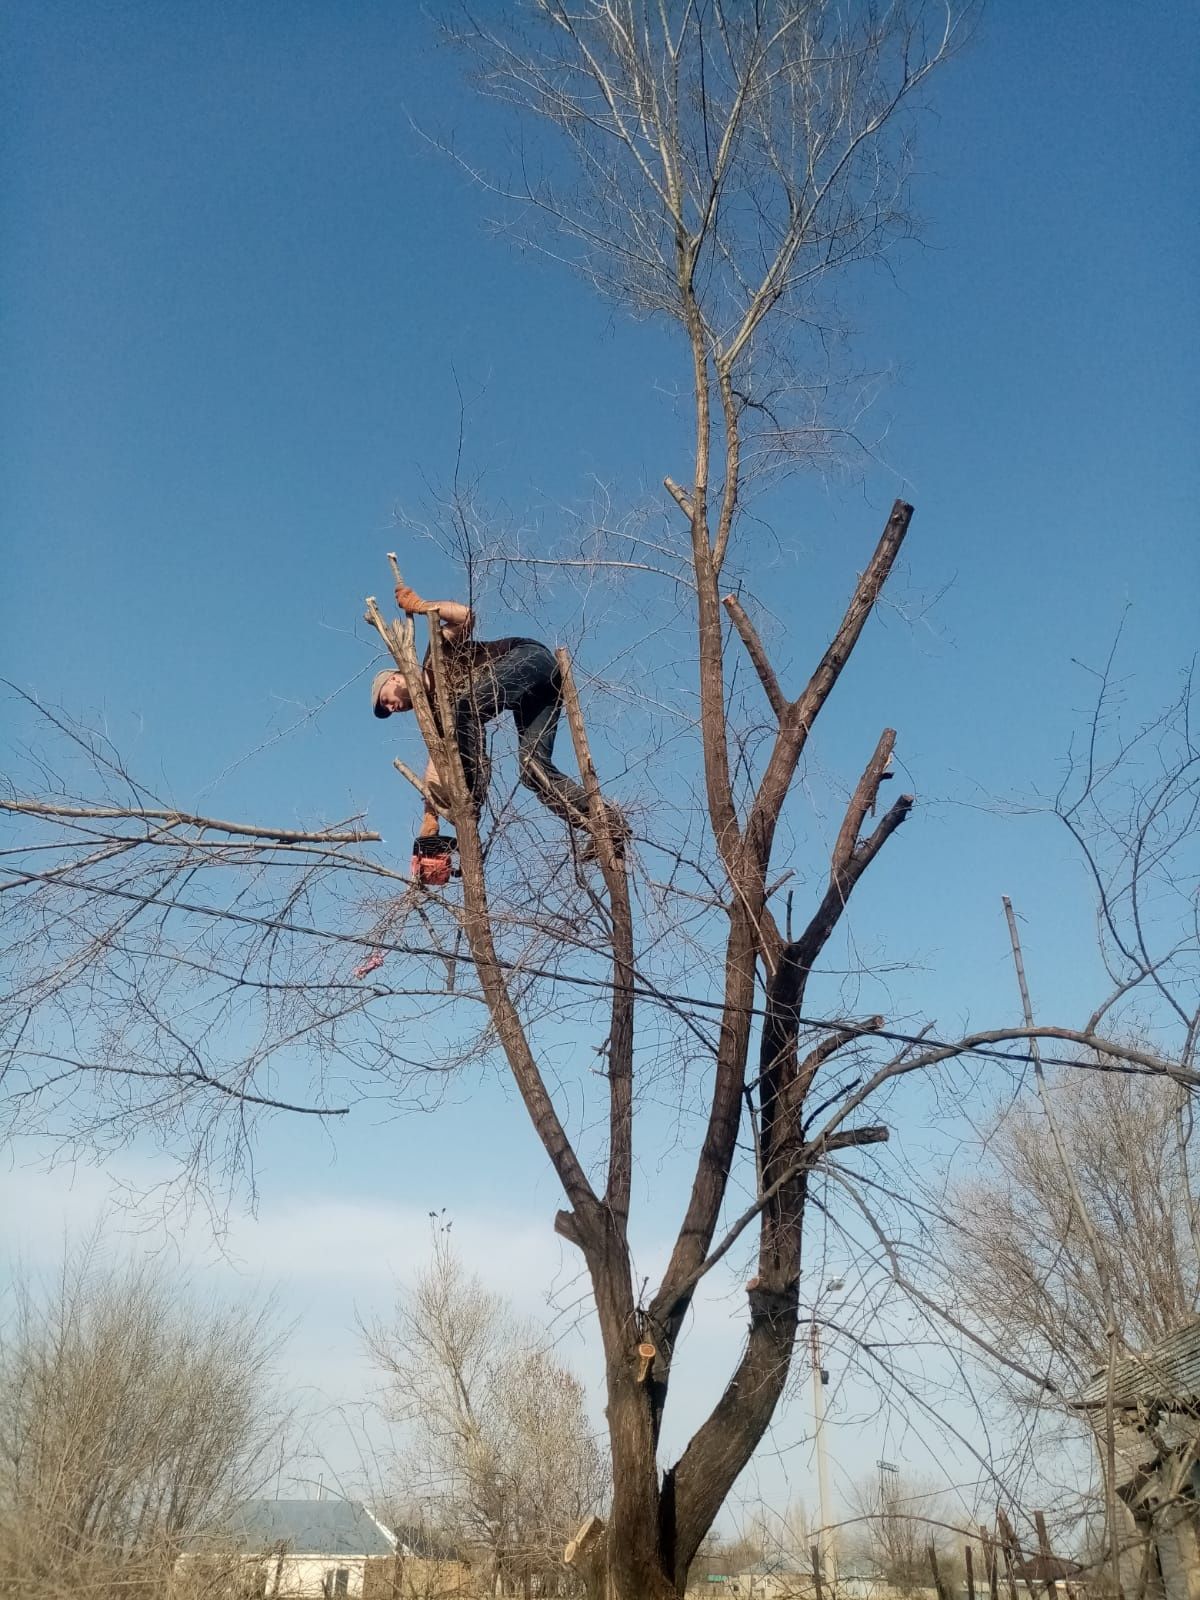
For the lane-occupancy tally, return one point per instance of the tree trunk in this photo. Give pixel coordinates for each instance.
(634, 1558)
(654, 1530)
(701, 1480)
(637, 1565)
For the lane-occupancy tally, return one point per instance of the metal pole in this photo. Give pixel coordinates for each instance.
(826, 1537)
(1110, 1312)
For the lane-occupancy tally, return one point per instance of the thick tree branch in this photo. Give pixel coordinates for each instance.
(811, 1153)
(1112, 1056)
(781, 1097)
(621, 1016)
(831, 1045)
(188, 819)
(725, 1110)
(680, 497)
(191, 1075)
(802, 713)
(698, 1485)
(782, 1083)
(758, 656)
(800, 956)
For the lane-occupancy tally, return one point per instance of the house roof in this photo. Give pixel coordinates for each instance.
(417, 1539)
(1048, 1569)
(305, 1527)
(1166, 1374)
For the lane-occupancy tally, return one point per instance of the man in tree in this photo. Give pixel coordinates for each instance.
(484, 678)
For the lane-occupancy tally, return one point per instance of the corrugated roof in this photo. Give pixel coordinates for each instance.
(305, 1527)
(1167, 1374)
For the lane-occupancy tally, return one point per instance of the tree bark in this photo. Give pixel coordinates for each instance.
(699, 1483)
(635, 1565)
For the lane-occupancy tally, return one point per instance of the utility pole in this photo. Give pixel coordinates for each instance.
(826, 1533)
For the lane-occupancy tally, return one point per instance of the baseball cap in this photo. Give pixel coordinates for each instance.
(377, 683)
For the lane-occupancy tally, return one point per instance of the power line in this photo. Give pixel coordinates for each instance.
(642, 990)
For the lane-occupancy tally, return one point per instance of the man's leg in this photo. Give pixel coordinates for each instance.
(482, 701)
(537, 717)
(501, 685)
(537, 726)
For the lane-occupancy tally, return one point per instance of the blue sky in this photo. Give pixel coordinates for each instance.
(238, 294)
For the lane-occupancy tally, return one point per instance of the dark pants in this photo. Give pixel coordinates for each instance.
(526, 681)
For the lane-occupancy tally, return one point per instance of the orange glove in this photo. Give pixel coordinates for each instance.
(409, 600)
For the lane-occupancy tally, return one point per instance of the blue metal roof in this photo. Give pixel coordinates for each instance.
(305, 1527)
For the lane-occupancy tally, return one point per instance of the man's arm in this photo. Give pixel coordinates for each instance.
(429, 822)
(457, 619)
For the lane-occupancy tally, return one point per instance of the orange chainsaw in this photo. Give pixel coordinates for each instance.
(432, 860)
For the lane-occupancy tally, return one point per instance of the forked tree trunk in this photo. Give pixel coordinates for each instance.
(655, 1528)
(632, 1559)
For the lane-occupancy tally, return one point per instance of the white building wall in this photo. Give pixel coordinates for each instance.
(304, 1576)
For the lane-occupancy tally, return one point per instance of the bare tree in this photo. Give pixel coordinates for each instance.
(1020, 1249)
(769, 1550)
(896, 1518)
(130, 1418)
(723, 1558)
(1075, 1239)
(721, 166)
(501, 1455)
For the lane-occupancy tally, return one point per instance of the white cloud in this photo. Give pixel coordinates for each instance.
(345, 1244)
(329, 1256)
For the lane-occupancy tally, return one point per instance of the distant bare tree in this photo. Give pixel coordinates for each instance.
(502, 1458)
(770, 1548)
(1076, 1239)
(897, 1516)
(131, 1416)
(1022, 1253)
